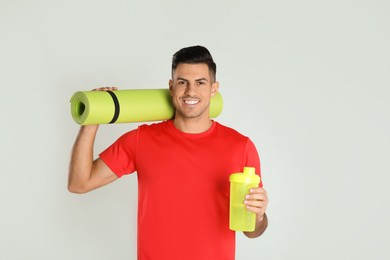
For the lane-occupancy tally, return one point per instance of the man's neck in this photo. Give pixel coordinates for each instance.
(192, 125)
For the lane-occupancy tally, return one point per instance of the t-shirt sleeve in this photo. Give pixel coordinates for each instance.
(251, 158)
(120, 157)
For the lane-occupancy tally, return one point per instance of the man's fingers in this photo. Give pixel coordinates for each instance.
(257, 194)
(105, 89)
(256, 201)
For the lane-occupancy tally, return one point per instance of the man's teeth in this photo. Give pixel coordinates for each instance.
(191, 102)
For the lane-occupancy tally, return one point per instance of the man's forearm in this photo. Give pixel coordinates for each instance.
(81, 162)
(261, 226)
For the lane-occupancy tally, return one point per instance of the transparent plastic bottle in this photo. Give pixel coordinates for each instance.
(240, 219)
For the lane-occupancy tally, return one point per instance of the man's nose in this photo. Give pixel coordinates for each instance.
(190, 89)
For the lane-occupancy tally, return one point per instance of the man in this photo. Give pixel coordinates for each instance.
(183, 168)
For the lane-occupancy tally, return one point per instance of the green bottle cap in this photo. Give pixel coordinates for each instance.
(247, 176)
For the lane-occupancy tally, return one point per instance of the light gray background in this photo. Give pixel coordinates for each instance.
(308, 81)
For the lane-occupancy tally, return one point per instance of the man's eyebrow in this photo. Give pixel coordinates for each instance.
(201, 79)
(180, 78)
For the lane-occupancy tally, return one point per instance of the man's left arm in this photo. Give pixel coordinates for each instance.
(256, 201)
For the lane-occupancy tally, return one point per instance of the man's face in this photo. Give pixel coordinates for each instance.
(191, 88)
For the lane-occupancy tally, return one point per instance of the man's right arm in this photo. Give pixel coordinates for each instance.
(85, 173)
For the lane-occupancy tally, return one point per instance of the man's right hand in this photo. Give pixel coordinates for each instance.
(105, 89)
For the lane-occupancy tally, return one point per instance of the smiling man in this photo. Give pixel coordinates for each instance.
(183, 168)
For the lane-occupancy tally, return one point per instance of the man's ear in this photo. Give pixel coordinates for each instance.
(170, 83)
(214, 88)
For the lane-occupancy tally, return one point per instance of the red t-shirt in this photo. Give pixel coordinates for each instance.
(183, 188)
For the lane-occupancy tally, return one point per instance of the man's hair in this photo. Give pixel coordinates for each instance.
(194, 55)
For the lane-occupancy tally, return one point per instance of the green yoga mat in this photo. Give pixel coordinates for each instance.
(127, 106)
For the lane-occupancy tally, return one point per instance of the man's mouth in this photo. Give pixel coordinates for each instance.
(191, 101)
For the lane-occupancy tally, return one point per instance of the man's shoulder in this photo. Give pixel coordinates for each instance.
(153, 128)
(229, 131)
(146, 129)
(156, 125)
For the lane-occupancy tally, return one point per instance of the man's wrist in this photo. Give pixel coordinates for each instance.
(261, 220)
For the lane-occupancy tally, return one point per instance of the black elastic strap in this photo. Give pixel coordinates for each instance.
(117, 107)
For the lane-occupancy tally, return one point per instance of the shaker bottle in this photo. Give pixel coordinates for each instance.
(240, 218)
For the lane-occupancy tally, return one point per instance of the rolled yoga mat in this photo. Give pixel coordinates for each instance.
(127, 106)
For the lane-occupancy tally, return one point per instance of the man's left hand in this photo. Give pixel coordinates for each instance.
(256, 201)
